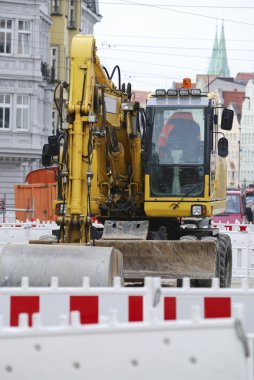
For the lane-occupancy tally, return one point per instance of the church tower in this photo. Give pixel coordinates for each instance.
(218, 64)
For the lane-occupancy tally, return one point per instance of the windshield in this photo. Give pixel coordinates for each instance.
(177, 165)
(178, 135)
(233, 204)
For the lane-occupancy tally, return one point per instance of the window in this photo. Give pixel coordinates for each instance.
(54, 121)
(177, 151)
(5, 105)
(24, 38)
(55, 6)
(54, 62)
(22, 112)
(71, 14)
(5, 36)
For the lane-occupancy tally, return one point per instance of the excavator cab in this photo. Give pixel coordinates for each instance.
(183, 149)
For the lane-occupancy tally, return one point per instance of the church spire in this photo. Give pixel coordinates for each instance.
(223, 69)
(218, 64)
(212, 63)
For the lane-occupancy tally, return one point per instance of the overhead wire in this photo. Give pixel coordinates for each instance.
(150, 36)
(171, 5)
(177, 47)
(172, 54)
(184, 12)
(154, 63)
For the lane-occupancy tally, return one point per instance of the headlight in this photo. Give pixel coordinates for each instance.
(127, 106)
(160, 92)
(195, 92)
(172, 92)
(198, 210)
(184, 92)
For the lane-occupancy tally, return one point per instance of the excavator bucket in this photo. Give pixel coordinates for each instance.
(165, 258)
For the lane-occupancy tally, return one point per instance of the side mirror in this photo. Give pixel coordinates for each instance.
(53, 145)
(223, 147)
(46, 157)
(227, 119)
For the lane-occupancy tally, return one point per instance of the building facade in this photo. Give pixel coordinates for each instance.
(69, 17)
(247, 137)
(25, 94)
(233, 136)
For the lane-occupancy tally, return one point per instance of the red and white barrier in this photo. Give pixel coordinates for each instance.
(242, 238)
(53, 302)
(130, 304)
(22, 232)
(236, 227)
(195, 350)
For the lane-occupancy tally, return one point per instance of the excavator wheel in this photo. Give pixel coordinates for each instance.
(224, 260)
(224, 263)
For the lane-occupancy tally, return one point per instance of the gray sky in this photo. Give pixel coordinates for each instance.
(157, 42)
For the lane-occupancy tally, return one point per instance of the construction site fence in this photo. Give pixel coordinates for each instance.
(131, 304)
(119, 332)
(242, 238)
(22, 232)
(195, 349)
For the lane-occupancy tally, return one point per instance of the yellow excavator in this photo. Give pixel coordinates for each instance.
(152, 177)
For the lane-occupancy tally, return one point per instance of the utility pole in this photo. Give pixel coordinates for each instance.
(239, 159)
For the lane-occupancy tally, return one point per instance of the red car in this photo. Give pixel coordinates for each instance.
(235, 210)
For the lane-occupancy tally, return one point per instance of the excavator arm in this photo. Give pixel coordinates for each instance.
(103, 143)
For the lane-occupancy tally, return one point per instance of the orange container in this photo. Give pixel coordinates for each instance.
(37, 195)
(47, 175)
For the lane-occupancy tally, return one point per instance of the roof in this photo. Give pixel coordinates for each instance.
(244, 77)
(225, 84)
(179, 102)
(233, 96)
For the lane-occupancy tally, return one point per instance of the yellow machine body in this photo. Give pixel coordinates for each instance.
(107, 170)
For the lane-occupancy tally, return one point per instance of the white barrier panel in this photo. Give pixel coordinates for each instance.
(236, 227)
(130, 304)
(22, 232)
(193, 350)
(242, 238)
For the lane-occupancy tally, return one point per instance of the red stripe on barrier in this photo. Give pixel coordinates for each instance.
(169, 308)
(24, 304)
(217, 307)
(88, 306)
(135, 308)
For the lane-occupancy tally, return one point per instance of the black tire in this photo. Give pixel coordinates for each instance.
(224, 265)
(224, 260)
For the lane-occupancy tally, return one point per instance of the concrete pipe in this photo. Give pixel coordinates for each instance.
(70, 263)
